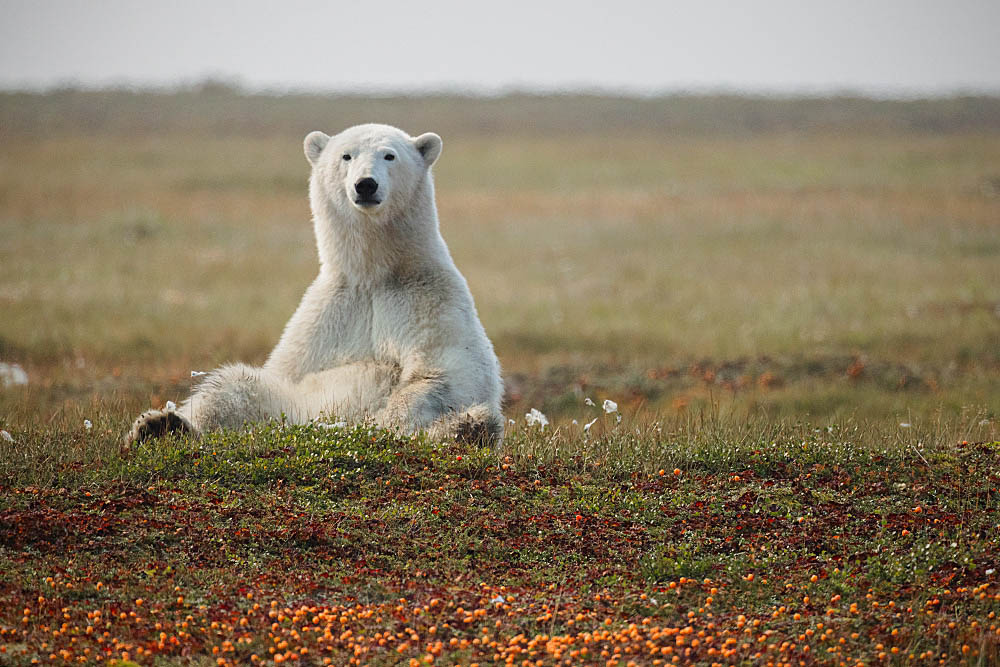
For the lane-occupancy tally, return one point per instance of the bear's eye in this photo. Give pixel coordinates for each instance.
(347, 157)
(390, 157)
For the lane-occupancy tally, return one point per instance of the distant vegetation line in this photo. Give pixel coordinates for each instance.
(226, 111)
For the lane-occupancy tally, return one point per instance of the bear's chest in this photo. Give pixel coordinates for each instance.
(363, 323)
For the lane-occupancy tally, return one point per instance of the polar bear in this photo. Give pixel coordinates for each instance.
(387, 331)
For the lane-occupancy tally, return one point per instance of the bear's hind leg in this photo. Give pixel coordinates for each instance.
(234, 395)
(155, 424)
(228, 398)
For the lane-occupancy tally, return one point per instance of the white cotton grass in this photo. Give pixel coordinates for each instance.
(170, 407)
(535, 417)
(609, 407)
(6, 436)
(87, 424)
(12, 375)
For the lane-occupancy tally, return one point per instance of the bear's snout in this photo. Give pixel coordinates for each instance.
(366, 189)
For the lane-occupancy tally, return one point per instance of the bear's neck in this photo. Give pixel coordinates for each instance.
(361, 251)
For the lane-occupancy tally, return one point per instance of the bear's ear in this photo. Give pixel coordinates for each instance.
(429, 146)
(314, 144)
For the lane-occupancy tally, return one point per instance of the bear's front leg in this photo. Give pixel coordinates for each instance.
(415, 405)
(425, 405)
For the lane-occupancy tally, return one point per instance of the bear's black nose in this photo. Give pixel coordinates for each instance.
(366, 187)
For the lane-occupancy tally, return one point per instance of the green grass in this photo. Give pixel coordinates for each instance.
(702, 525)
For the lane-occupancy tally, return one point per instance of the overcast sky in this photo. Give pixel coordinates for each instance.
(886, 47)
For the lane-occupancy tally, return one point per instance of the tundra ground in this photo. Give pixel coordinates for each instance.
(795, 305)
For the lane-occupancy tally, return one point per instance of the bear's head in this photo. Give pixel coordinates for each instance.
(370, 173)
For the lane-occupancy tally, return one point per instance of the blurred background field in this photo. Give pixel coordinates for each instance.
(811, 259)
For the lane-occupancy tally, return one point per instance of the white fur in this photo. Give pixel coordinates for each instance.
(388, 329)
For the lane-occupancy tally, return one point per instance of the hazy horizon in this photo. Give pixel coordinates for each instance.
(781, 47)
(241, 87)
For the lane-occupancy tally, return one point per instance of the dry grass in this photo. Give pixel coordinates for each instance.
(806, 273)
